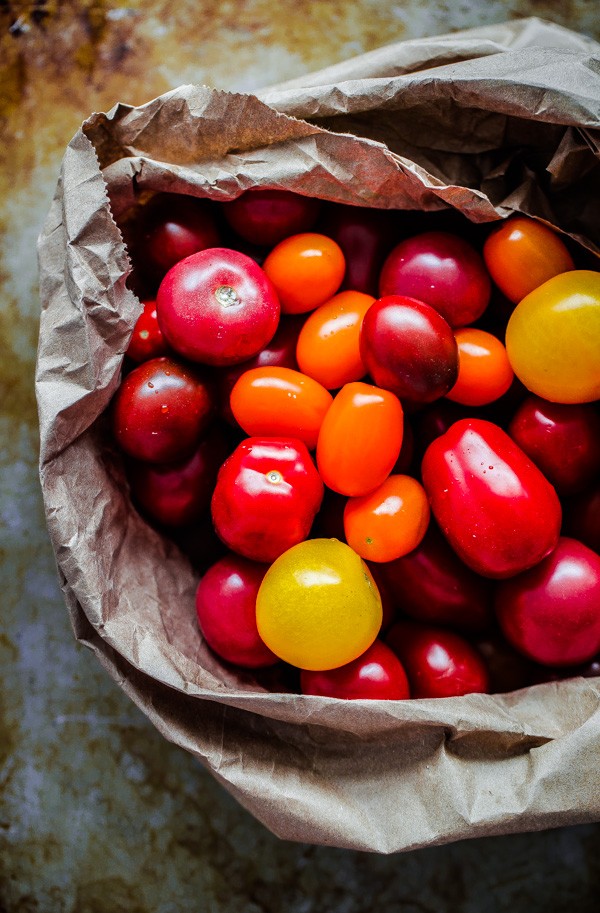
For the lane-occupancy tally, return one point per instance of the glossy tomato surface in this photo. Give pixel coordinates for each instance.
(174, 226)
(307, 270)
(376, 675)
(147, 340)
(265, 215)
(484, 371)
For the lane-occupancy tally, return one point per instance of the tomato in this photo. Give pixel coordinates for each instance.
(318, 606)
(522, 254)
(377, 675)
(147, 340)
(441, 269)
(408, 348)
(161, 410)
(508, 669)
(266, 497)
(498, 512)
(438, 663)
(217, 307)
(365, 236)
(582, 517)
(280, 402)
(484, 371)
(553, 338)
(174, 226)
(360, 439)
(306, 269)
(388, 522)
(551, 613)
(265, 215)
(328, 345)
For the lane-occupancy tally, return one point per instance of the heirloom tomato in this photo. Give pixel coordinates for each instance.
(306, 270)
(376, 675)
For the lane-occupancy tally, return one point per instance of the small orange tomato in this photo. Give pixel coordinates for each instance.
(522, 254)
(306, 270)
(280, 402)
(360, 439)
(484, 371)
(328, 345)
(389, 522)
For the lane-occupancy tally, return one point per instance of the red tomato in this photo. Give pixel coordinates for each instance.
(498, 512)
(484, 371)
(174, 226)
(365, 236)
(508, 669)
(280, 402)
(377, 675)
(147, 340)
(161, 410)
(306, 270)
(266, 497)
(360, 439)
(265, 215)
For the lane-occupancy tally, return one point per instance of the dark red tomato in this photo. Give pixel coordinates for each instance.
(266, 497)
(508, 669)
(217, 307)
(161, 410)
(365, 237)
(551, 613)
(438, 663)
(582, 517)
(562, 439)
(377, 675)
(264, 215)
(147, 340)
(444, 271)
(432, 585)
(408, 348)
(226, 611)
(177, 494)
(174, 227)
(498, 512)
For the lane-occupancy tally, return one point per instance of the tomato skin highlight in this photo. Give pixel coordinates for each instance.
(147, 340)
(388, 522)
(498, 512)
(376, 675)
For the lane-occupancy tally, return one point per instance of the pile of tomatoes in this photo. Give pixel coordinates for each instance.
(385, 430)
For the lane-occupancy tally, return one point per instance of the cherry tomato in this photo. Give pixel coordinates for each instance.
(498, 512)
(377, 675)
(318, 606)
(226, 611)
(306, 270)
(388, 522)
(438, 663)
(265, 215)
(147, 340)
(360, 439)
(266, 497)
(217, 307)
(365, 236)
(409, 348)
(161, 410)
(328, 345)
(522, 254)
(280, 402)
(553, 338)
(551, 613)
(174, 226)
(444, 271)
(484, 371)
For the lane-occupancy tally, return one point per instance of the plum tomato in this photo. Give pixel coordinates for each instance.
(522, 254)
(551, 613)
(388, 522)
(265, 215)
(365, 237)
(438, 663)
(266, 497)
(161, 410)
(174, 226)
(377, 675)
(147, 340)
(318, 606)
(328, 344)
(484, 371)
(280, 402)
(553, 338)
(563, 440)
(441, 269)
(496, 509)
(408, 348)
(306, 270)
(217, 307)
(360, 439)
(226, 612)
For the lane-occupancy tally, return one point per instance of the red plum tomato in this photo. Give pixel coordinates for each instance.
(265, 216)
(376, 675)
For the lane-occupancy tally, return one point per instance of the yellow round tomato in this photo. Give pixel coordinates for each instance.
(553, 338)
(318, 606)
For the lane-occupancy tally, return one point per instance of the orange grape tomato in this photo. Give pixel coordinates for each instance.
(360, 439)
(328, 345)
(522, 254)
(280, 402)
(484, 371)
(306, 270)
(389, 522)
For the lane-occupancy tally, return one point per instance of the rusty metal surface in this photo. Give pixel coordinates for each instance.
(98, 814)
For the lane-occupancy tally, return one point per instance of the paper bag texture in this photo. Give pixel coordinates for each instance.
(486, 122)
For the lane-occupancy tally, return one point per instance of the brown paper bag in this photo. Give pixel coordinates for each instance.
(485, 122)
